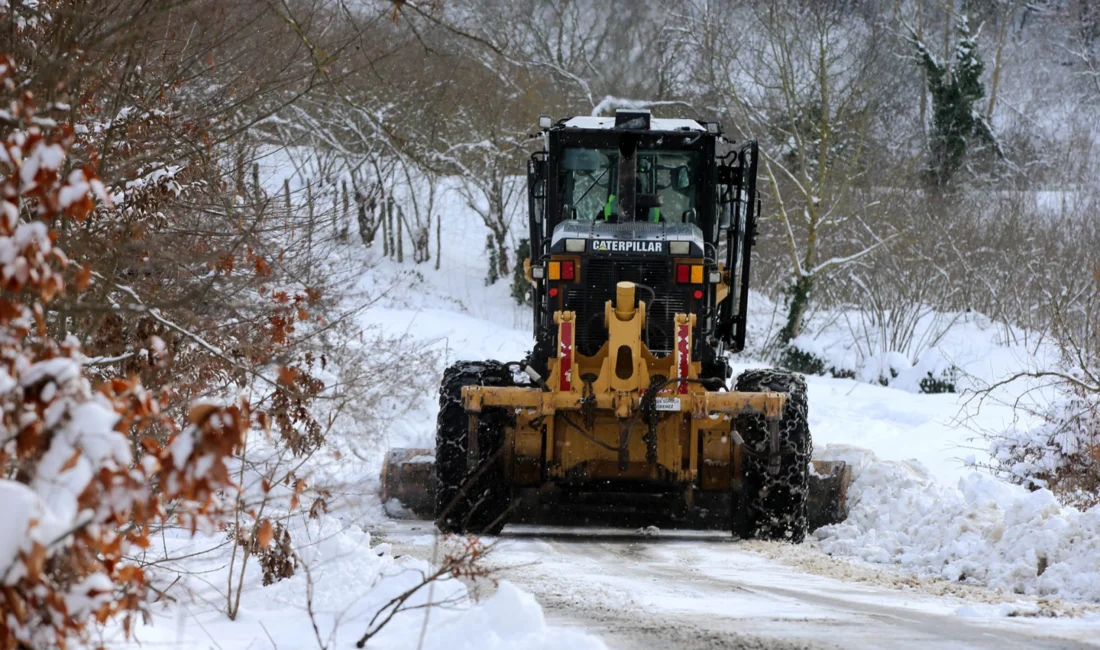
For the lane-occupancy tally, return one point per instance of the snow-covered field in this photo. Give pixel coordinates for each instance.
(934, 551)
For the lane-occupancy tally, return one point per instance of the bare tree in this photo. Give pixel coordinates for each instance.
(808, 78)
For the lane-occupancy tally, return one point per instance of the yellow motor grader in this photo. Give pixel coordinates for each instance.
(641, 232)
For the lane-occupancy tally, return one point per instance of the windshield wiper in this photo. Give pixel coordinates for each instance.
(594, 183)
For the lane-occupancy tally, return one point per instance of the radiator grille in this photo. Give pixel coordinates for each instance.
(597, 285)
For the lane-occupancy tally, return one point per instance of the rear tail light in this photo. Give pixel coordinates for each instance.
(683, 273)
(563, 270)
(689, 274)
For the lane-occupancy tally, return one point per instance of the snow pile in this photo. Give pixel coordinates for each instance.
(983, 531)
(509, 619)
(342, 582)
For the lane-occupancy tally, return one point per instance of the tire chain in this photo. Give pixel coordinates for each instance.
(477, 507)
(775, 507)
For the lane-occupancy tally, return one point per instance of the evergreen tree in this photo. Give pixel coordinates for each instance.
(494, 262)
(520, 287)
(956, 94)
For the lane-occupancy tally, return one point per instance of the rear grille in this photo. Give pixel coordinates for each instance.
(597, 285)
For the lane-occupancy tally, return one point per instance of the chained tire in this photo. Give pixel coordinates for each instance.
(477, 500)
(774, 507)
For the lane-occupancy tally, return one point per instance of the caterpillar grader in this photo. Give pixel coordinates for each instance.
(641, 232)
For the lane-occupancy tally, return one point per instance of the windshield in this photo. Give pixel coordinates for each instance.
(589, 181)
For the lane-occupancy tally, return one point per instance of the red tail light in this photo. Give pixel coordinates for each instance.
(568, 271)
(683, 273)
(689, 273)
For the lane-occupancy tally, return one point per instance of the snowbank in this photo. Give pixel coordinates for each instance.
(983, 531)
(509, 619)
(344, 579)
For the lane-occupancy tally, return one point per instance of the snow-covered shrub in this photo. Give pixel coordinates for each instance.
(799, 360)
(932, 385)
(930, 374)
(79, 484)
(1062, 454)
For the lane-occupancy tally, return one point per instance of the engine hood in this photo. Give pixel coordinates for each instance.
(627, 239)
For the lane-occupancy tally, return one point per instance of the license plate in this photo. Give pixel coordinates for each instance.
(668, 403)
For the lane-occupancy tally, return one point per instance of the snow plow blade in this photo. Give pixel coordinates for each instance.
(408, 489)
(408, 475)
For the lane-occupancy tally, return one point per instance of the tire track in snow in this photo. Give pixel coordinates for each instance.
(702, 592)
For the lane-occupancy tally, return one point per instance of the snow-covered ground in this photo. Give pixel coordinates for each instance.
(690, 590)
(344, 581)
(934, 552)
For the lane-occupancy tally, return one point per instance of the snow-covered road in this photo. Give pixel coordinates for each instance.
(934, 552)
(690, 590)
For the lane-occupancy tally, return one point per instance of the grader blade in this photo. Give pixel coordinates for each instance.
(828, 500)
(408, 476)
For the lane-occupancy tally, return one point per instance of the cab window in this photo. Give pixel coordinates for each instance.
(589, 180)
(671, 175)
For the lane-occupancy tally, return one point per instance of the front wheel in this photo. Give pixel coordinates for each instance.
(773, 506)
(470, 500)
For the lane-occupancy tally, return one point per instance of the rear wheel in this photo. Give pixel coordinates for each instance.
(774, 506)
(476, 500)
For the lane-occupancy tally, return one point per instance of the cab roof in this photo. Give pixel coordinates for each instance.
(655, 124)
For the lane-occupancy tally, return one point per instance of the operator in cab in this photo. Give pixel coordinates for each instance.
(664, 185)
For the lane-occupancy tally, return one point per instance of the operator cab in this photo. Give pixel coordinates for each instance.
(662, 203)
(666, 186)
